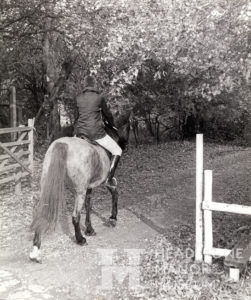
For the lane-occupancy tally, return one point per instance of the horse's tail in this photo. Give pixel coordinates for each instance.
(52, 191)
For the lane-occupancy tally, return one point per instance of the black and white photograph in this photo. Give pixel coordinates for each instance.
(125, 150)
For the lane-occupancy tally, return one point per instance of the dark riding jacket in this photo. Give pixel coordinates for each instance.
(91, 106)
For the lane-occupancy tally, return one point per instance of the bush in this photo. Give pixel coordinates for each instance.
(161, 95)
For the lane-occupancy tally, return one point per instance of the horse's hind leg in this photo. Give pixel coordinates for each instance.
(113, 217)
(79, 200)
(35, 255)
(89, 229)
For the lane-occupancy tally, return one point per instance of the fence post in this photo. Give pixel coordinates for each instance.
(31, 144)
(13, 111)
(199, 195)
(208, 222)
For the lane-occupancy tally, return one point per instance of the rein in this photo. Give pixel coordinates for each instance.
(113, 128)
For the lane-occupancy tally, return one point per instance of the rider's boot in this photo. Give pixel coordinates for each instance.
(111, 180)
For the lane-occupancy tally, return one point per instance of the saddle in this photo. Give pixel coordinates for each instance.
(83, 137)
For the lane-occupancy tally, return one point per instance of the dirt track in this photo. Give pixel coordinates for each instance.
(156, 199)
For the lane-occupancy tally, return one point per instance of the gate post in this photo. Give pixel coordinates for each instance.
(13, 111)
(199, 195)
(208, 225)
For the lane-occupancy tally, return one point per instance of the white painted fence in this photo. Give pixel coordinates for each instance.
(204, 250)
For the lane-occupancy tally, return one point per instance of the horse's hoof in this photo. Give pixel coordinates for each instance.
(36, 260)
(90, 232)
(112, 222)
(81, 242)
(35, 255)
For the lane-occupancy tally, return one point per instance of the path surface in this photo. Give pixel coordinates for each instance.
(22, 279)
(157, 193)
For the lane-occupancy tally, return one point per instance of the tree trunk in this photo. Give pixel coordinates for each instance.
(54, 83)
(157, 125)
(49, 74)
(149, 124)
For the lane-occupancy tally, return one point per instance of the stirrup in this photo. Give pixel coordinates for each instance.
(112, 183)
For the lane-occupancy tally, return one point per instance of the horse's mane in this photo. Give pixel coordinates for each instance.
(123, 118)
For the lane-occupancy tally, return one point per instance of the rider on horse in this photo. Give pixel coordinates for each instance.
(92, 106)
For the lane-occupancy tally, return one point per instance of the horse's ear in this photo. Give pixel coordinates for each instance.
(131, 116)
(122, 142)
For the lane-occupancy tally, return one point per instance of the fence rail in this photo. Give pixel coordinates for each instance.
(15, 129)
(17, 160)
(19, 154)
(228, 208)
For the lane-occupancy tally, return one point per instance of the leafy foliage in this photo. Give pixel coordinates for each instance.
(193, 57)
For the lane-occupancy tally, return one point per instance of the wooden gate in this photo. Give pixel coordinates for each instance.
(16, 154)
